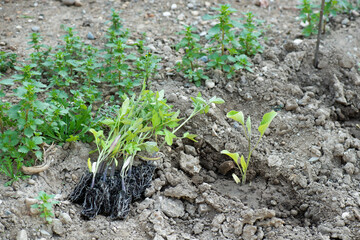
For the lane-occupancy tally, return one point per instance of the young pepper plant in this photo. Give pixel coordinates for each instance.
(244, 164)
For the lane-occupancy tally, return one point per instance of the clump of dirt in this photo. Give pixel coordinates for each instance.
(304, 177)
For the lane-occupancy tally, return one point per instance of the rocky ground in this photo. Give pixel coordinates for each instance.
(304, 178)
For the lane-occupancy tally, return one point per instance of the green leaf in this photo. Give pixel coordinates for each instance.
(109, 122)
(243, 164)
(169, 137)
(7, 82)
(38, 154)
(208, 17)
(214, 30)
(23, 149)
(236, 179)
(37, 140)
(237, 116)
(267, 118)
(124, 107)
(155, 120)
(72, 138)
(150, 147)
(234, 156)
(248, 126)
(190, 136)
(28, 132)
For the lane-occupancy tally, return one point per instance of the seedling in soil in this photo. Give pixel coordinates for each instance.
(7, 61)
(241, 163)
(192, 53)
(249, 36)
(45, 207)
(220, 31)
(241, 62)
(140, 124)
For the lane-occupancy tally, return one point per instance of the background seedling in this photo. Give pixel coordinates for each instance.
(241, 163)
(45, 207)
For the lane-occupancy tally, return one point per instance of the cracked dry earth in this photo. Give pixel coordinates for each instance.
(303, 179)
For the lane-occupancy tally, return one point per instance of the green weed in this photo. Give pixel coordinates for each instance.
(45, 207)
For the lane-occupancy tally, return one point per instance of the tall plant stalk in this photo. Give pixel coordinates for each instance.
(316, 61)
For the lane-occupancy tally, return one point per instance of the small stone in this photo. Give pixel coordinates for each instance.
(166, 14)
(77, 3)
(190, 150)
(189, 164)
(68, 2)
(349, 168)
(90, 36)
(2, 43)
(355, 13)
(190, 5)
(58, 227)
(291, 105)
(22, 235)
(209, 84)
(238, 227)
(350, 156)
(230, 87)
(218, 220)
(205, 59)
(167, 49)
(298, 41)
(338, 150)
(181, 17)
(31, 181)
(293, 212)
(41, 17)
(293, 59)
(29, 202)
(345, 21)
(346, 62)
(172, 207)
(248, 96)
(18, 27)
(339, 90)
(35, 28)
(198, 228)
(249, 232)
(226, 166)
(172, 97)
(203, 208)
(45, 233)
(65, 218)
(195, 13)
(304, 206)
(173, 6)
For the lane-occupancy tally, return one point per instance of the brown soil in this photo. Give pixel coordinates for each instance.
(304, 178)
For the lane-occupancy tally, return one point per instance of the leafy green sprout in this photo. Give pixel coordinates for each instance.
(222, 29)
(45, 207)
(241, 162)
(192, 53)
(136, 128)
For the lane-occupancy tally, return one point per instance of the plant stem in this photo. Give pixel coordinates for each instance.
(316, 62)
(222, 42)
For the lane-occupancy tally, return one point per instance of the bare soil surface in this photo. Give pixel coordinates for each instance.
(304, 178)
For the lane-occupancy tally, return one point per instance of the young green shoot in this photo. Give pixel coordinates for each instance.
(45, 207)
(241, 162)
